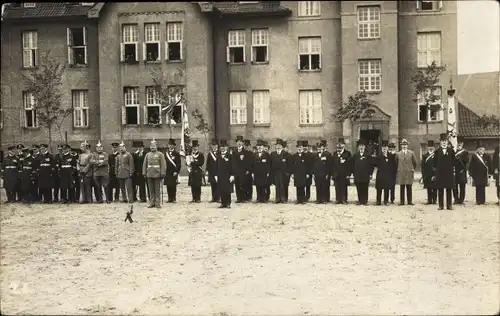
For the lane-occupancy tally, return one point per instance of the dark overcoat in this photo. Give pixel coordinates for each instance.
(341, 164)
(280, 165)
(196, 174)
(242, 166)
(11, 170)
(496, 167)
(386, 170)
(261, 169)
(46, 171)
(428, 170)
(322, 165)
(224, 172)
(362, 167)
(28, 174)
(211, 167)
(444, 165)
(173, 160)
(310, 159)
(461, 161)
(479, 169)
(300, 169)
(66, 164)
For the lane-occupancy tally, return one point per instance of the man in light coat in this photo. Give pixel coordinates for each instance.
(406, 162)
(124, 170)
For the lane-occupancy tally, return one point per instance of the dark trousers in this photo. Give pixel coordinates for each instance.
(113, 189)
(56, 192)
(249, 188)
(498, 192)
(409, 193)
(11, 195)
(261, 194)
(35, 196)
(392, 193)
(362, 190)
(279, 183)
(86, 189)
(196, 192)
(19, 192)
(74, 192)
(308, 192)
(441, 198)
(379, 196)
(241, 194)
(431, 195)
(287, 184)
(341, 185)
(172, 193)
(322, 189)
(480, 195)
(65, 194)
(139, 187)
(225, 199)
(46, 195)
(268, 193)
(301, 194)
(215, 195)
(459, 193)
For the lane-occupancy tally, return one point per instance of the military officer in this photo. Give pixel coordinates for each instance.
(35, 152)
(100, 166)
(461, 161)
(386, 169)
(362, 170)
(392, 190)
(280, 171)
(173, 159)
(211, 169)
(224, 176)
(195, 165)
(480, 169)
(66, 164)
(242, 168)
(85, 173)
(46, 170)
(301, 171)
(114, 185)
(407, 162)
(139, 181)
(341, 169)
(20, 158)
(428, 173)
(28, 176)
(124, 170)
(261, 172)
(75, 191)
(321, 169)
(10, 171)
(249, 179)
(57, 189)
(153, 169)
(444, 165)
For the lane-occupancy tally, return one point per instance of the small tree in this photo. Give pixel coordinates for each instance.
(202, 125)
(489, 121)
(427, 90)
(357, 106)
(45, 85)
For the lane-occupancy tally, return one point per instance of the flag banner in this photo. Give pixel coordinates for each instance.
(452, 122)
(185, 132)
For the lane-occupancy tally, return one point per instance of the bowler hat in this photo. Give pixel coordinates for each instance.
(44, 146)
(305, 143)
(279, 141)
(137, 143)
(341, 141)
(195, 143)
(322, 143)
(115, 144)
(11, 147)
(35, 146)
(392, 145)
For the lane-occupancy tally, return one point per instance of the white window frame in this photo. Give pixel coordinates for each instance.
(309, 8)
(260, 38)
(261, 107)
(176, 97)
(436, 5)
(369, 22)
(29, 4)
(30, 49)
(310, 46)
(131, 100)
(426, 53)
(71, 47)
(439, 114)
(80, 104)
(235, 39)
(29, 105)
(130, 36)
(152, 38)
(238, 107)
(175, 34)
(1, 116)
(310, 107)
(371, 79)
(152, 101)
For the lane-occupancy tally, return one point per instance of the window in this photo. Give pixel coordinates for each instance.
(29, 4)
(130, 43)
(311, 109)
(309, 8)
(429, 5)
(236, 47)
(87, 4)
(428, 49)
(370, 75)
(309, 53)
(260, 42)
(261, 110)
(30, 49)
(151, 49)
(77, 46)
(130, 115)
(432, 112)
(173, 45)
(368, 22)
(238, 107)
(80, 108)
(176, 99)
(152, 109)
(28, 114)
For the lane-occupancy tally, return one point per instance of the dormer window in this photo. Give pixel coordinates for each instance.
(29, 4)
(87, 4)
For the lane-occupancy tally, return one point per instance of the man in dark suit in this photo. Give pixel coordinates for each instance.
(249, 179)
(261, 172)
(289, 159)
(362, 171)
(211, 170)
(480, 169)
(171, 180)
(301, 171)
(279, 170)
(386, 168)
(392, 190)
(195, 164)
(242, 168)
(341, 169)
(224, 175)
(444, 166)
(138, 180)
(114, 184)
(310, 151)
(321, 169)
(461, 161)
(428, 173)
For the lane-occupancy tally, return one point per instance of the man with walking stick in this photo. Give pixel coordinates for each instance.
(153, 169)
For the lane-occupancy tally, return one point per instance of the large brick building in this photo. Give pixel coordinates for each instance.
(258, 69)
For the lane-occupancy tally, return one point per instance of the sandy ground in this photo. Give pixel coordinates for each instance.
(194, 259)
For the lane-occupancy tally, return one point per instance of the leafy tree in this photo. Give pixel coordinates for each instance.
(357, 106)
(202, 125)
(489, 121)
(45, 85)
(427, 90)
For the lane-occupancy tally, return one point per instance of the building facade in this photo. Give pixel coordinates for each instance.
(257, 69)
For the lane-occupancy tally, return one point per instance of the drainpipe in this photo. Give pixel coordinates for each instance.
(214, 78)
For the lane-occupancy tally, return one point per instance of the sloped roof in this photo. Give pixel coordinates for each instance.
(261, 7)
(480, 92)
(469, 127)
(45, 10)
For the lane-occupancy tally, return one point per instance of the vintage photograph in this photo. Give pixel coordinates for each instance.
(250, 158)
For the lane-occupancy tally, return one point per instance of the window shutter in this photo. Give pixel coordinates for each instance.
(228, 57)
(74, 117)
(22, 118)
(159, 114)
(418, 4)
(244, 54)
(298, 61)
(159, 52)
(166, 50)
(180, 50)
(143, 51)
(124, 115)
(251, 54)
(136, 51)
(145, 113)
(138, 117)
(69, 42)
(440, 4)
(84, 36)
(267, 53)
(122, 52)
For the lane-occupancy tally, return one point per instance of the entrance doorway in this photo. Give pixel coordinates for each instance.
(372, 139)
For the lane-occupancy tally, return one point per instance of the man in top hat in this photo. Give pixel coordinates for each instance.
(280, 171)
(444, 165)
(407, 162)
(173, 159)
(301, 171)
(154, 168)
(496, 170)
(310, 158)
(249, 179)
(211, 169)
(289, 158)
(114, 185)
(124, 171)
(46, 170)
(196, 163)
(242, 164)
(138, 180)
(57, 189)
(461, 161)
(392, 190)
(428, 172)
(341, 170)
(85, 172)
(321, 169)
(100, 165)
(10, 171)
(362, 170)
(480, 169)
(386, 169)
(224, 176)
(66, 164)
(261, 172)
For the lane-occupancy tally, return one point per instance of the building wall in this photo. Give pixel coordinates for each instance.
(51, 37)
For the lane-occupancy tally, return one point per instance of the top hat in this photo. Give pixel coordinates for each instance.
(247, 142)
(430, 143)
(300, 143)
(385, 143)
(284, 143)
(214, 141)
(115, 144)
(404, 141)
(137, 143)
(44, 146)
(11, 147)
(20, 146)
(171, 141)
(460, 139)
(260, 142)
(341, 141)
(305, 143)
(195, 143)
(361, 142)
(239, 138)
(223, 142)
(279, 141)
(322, 143)
(479, 144)
(443, 137)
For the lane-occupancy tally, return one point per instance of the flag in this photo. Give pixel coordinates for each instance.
(184, 129)
(452, 121)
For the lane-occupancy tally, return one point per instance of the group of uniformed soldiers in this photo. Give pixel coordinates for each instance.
(80, 175)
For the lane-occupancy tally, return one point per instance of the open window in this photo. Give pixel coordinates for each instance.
(77, 46)
(152, 108)
(30, 49)
(151, 47)
(130, 44)
(260, 46)
(130, 111)
(173, 46)
(29, 117)
(309, 53)
(429, 5)
(236, 47)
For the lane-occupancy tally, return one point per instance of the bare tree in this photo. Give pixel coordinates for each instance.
(45, 85)
(202, 125)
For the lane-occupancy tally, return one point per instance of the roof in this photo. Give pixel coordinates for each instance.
(45, 10)
(260, 7)
(468, 124)
(480, 92)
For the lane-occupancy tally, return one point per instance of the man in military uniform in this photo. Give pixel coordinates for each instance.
(261, 172)
(66, 164)
(10, 171)
(321, 169)
(100, 166)
(75, 190)
(444, 164)
(139, 181)
(57, 187)
(124, 171)
(461, 161)
(20, 158)
(195, 166)
(242, 168)
(28, 176)
(114, 185)
(480, 170)
(301, 171)
(154, 168)
(386, 168)
(211, 170)
(428, 173)
(46, 170)
(249, 180)
(173, 159)
(392, 190)
(224, 176)
(35, 152)
(280, 171)
(341, 170)
(85, 172)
